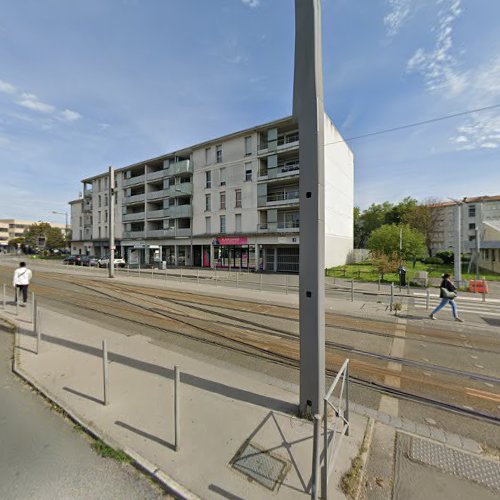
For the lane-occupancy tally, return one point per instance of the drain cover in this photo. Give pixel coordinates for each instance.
(260, 465)
(473, 468)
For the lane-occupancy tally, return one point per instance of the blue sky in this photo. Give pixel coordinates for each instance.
(86, 84)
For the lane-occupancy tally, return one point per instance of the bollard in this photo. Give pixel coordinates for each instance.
(139, 269)
(198, 276)
(105, 371)
(38, 332)
(166, 273)
(392, 297)
(177, 408)
(261, 282)
(216, 277)
(237, 280)
(33, 311)
(427, 298)
(181, 274)
(286, 285)
(4, 296)
(352, 290)
(152, 270)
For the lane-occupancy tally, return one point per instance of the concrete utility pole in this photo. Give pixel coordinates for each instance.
(458, 243)
(111, 223)
(478, 250)
(308, 110)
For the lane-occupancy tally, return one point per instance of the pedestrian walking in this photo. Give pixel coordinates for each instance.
(21, 281)
(448, 293)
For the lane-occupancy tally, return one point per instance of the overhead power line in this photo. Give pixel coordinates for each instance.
(416, 124)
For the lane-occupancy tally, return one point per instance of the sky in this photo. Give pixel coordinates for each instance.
(85, 84)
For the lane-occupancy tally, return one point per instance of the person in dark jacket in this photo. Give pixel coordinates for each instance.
(447, 289)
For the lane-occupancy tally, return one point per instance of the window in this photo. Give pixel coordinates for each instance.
(223, 176)
(208, 179)
(248, 174)
(207, 156)
(99, 217)
(237, 223)
(238, 198)
(208, 203)
(472, 225)
(486, 254)
(472, 210)
(99, 185)
(472, 238)
(99, 201)
(105, 215)
(208, 225)
(222, 223)
(99, 231)
(248, 146)
(223, 200)
(105, 200)
(218, 153)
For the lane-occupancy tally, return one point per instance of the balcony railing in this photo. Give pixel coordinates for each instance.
(184, 189)
(180, 212)
(155, 195)
(282, 170)
(291, 225)
(283, 196)
(133, 217)
(132, 181)
(159, 174)
(180, 167)
(134, 234)
(87, 192)
(135, 198)
(157, 214)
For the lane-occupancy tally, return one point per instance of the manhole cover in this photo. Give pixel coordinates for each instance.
(471, 467)
(260, 465)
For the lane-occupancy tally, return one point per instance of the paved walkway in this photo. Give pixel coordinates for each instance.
(222, 411)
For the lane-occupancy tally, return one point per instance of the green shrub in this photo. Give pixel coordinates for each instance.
(446, 256)
(434, 260)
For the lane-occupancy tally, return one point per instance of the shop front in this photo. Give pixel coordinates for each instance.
(234, 253)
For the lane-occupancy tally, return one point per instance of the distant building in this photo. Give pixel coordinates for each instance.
(230, 202)
(475, 212)
(14, 228)
(490, 246)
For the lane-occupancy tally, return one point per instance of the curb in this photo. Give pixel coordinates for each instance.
(365, 447)
(138, 460)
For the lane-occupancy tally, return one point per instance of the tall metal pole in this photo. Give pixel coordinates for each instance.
(111, 222)
(478, 250)
(308, 110)
(458, 243)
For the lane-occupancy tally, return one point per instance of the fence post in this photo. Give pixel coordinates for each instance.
(152, 271)
(286, 284)
(177, 408)
(139, 269)
(352, 290)
(261, 282)
(316, 460)
(427, 299)
(33, 311)
(198, 276)
(346, 413)
(484, 294)
(38, 333)
(379, 284)
(408, 289)
(4, 296)
(237, 280)
(105, 371)
(392, 296)
(181, 274)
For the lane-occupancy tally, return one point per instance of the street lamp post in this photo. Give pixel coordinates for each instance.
(65, 213)
(111, 223)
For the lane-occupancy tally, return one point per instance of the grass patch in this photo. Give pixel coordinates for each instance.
(103, 450)
(350, 480)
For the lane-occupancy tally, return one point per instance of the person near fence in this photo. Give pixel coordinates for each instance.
(448, 293)
(21, 281)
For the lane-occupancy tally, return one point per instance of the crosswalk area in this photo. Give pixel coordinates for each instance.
(469, 305)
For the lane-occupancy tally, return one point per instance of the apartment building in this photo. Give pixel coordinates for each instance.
(474, 213)
(232, 202)
(14, 228)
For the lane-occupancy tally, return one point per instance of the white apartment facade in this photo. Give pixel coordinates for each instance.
(14, 228)
(474, 212)
(232, 202)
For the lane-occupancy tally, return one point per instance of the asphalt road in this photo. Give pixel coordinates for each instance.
(42, 456)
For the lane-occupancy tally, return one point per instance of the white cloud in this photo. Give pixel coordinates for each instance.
(7, 87)
(439, 67)
(400, 12)
(251, 3)
(4, 141)
(69, 116)
(480, 131)
(32, 102)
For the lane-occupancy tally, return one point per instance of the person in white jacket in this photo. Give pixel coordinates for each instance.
(21, 281)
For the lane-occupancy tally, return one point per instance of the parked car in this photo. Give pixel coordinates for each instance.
(72, 260)
(89, 260)
(119, 262)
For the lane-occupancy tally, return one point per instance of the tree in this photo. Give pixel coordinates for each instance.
(398, 213)
(424, 218)
(385, 263)
(386, 240)
(43, 235)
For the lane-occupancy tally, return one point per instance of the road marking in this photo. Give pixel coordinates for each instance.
(467, 310)
(471, 299)
(482, 394)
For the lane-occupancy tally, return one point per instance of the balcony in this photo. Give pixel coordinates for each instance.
(287, 169)
(161, 233)
(181, 167)
(132, 181)
(133, 217)
(156, 195)
(291, 226)
(158, 175)
(134, 234)
(183, 233)
(87, 193)
(158, 214)
(278, 199)
(135, 198)
(180, 212)
(184, 189)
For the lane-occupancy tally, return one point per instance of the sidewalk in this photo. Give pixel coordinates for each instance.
(222, 412)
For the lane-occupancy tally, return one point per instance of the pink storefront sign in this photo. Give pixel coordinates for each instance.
(241, 240)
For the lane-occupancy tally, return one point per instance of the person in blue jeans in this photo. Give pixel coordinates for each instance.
(448, 285)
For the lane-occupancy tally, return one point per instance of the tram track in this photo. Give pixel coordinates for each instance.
(258, 347)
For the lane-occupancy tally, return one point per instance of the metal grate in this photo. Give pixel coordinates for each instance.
(260, 465)
(474, 468)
